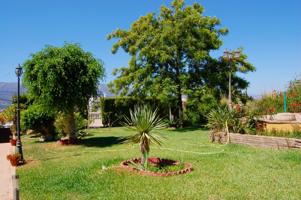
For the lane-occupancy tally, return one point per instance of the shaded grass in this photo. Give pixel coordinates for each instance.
(234, 172)
(102, 141)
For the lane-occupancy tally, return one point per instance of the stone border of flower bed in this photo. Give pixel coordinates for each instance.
(124, 165)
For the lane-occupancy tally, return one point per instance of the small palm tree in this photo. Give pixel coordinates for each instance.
(144, 120)
(221, 119)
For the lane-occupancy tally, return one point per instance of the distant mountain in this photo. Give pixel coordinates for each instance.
(7, 90)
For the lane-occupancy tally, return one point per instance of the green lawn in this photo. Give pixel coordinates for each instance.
(220, 172)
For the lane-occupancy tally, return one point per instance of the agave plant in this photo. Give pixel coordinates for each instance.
(144, 120)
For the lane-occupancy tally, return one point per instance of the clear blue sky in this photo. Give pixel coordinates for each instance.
(269, 30)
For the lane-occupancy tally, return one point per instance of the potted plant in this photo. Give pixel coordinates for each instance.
(13, 142)
(14, 159)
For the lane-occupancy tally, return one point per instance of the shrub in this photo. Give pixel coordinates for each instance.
(10, 113)
(39, 120)
(274, 103)
(115, 108)
(268, 104)
(226, 120)
(2, 120)
(199, 105)
(60, 124)
(294, 96)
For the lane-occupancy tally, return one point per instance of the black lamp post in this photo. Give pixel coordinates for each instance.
(19, 72)
(230, 56)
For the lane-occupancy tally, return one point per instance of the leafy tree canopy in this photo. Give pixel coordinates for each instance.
(164, 50)
(62, 78)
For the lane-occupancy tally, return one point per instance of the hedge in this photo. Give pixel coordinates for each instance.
(114, 109)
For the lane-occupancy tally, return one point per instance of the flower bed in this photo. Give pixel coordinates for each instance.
(155, 163)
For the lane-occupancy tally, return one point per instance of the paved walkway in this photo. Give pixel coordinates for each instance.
(6, 172)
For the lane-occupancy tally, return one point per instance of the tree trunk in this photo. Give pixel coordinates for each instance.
(180, 108)
(230, 93)
(144, 148)
(179, 98)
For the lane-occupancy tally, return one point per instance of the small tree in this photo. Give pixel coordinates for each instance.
(236, 61)
(144, 120)
(63, 79)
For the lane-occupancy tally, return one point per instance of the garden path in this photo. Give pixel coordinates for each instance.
(6, 172)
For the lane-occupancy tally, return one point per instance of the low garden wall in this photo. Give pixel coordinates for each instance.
(265, 141)
(288, 126)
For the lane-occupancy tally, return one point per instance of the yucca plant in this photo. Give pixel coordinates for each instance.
(144, 120)
(221, 120)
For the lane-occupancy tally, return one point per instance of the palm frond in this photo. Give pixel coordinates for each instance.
(144, 120)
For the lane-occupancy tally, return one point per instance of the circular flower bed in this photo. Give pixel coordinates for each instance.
(157, 167)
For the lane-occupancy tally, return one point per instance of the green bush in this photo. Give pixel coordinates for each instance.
(39, 120)
(198, 107)
(114, 109)
(224, 118)
(268, 104)
(60, 124)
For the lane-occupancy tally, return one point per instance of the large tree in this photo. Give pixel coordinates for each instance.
(63, 79)
(164, 50)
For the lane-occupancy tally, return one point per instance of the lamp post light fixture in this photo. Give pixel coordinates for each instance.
(230, 57)
(19, 72)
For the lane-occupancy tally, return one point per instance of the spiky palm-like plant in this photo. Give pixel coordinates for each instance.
(221, 119)
(144, 120)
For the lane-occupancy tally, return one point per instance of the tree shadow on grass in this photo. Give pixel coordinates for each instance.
(103, 141)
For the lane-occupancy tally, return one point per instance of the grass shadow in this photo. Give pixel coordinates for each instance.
(102, 141)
